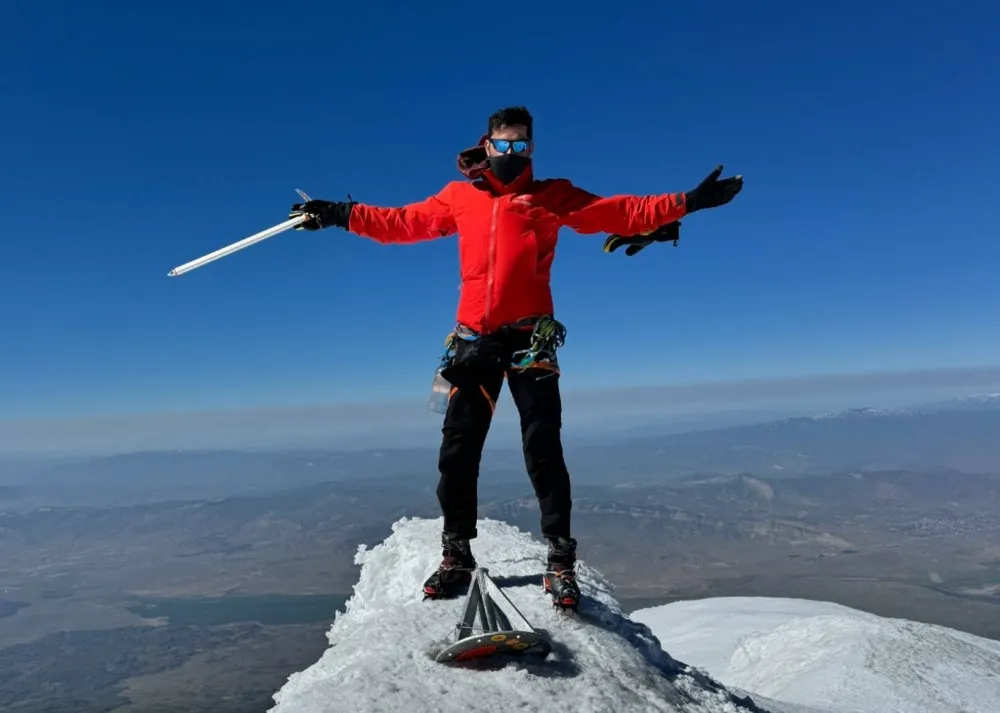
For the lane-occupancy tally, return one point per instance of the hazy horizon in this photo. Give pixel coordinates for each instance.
(407, 422)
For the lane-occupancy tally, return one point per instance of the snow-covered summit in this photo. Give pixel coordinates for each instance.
(974, 402)
(862, 412)
(982, 401)
(381, 655)
(827, 658)
(982, 398)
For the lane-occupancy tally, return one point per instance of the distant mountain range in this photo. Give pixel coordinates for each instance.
(959, 435)
(974, 402)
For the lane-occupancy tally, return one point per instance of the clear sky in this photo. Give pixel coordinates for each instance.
(137, 136)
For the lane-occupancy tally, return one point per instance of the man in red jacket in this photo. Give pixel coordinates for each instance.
(507, 223)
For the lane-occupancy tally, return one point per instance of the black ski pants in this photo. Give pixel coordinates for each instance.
(477, 376)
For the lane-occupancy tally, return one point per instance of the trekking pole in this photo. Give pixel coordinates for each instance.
(246, 242)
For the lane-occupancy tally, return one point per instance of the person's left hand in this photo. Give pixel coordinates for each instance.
(671, 232)
(712, 192)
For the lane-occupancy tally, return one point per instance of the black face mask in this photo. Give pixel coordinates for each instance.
(509, 166)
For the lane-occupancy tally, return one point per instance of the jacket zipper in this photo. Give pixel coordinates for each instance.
(490, 268)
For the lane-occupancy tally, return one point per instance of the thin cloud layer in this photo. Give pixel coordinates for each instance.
(409, 423)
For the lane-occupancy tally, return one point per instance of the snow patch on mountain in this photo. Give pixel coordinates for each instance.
(984, 401)
(829, 658)
(864, 412)
(382, 647)
(981, 398)
(973, 402)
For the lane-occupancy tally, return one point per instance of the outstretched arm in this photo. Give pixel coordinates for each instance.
(588, 213)
(425, 220)
(585, 212)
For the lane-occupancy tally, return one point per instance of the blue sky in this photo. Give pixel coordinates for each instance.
(136, 137)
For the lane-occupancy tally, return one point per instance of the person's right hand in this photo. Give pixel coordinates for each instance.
(325, 214)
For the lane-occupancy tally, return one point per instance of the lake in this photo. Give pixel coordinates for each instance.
(9, 608)
(271, 609)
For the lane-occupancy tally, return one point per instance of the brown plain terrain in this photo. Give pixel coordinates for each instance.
(232, 578)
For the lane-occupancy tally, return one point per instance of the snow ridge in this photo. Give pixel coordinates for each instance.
(972, 401)
(981, 398)
(862, 412)
(382, 647)
(829, 658)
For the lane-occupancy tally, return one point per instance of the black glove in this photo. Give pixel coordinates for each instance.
(671, 232)
(711, 193)
(326, 214)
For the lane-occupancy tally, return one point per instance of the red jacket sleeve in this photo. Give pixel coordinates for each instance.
(425, 220)
(587, 213)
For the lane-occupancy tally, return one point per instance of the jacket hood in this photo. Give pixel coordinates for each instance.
(472, 161)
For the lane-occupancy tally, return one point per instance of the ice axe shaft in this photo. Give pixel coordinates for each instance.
(245, 243)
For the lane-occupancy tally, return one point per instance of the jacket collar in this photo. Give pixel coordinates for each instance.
(473, 165)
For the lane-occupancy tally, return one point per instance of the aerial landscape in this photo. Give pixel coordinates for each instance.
(894, 512)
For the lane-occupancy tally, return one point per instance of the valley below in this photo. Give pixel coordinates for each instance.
(210, 600)
(183, 601)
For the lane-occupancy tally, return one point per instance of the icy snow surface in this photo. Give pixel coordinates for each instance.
(826, 657)
(382, 648)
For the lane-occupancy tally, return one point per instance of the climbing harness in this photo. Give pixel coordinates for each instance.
(547, 336)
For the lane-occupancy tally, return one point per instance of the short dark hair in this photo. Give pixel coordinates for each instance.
(509, 116)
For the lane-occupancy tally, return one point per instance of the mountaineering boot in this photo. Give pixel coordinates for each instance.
(560, 576)
(455, 571)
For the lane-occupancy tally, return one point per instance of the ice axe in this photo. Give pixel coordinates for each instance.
(246, 242)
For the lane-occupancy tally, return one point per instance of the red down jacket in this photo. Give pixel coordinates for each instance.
(507, 234)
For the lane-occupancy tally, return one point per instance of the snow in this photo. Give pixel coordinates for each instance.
(973, 401)
(829, 658)
(982, 398)
(863, 412)
(788, 655)
(382, 647)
